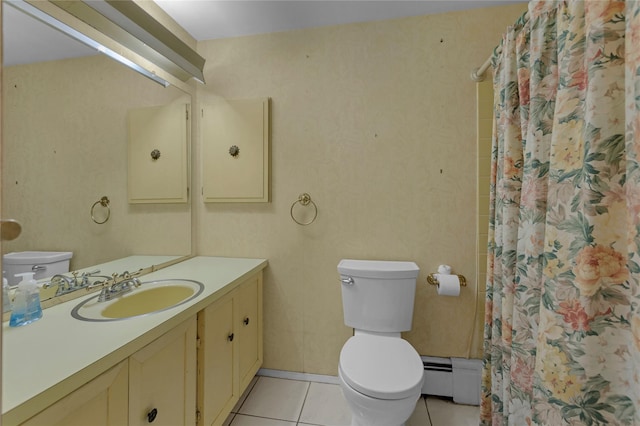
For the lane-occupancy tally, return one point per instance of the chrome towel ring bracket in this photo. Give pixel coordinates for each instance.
(304, 200)
(104, 202)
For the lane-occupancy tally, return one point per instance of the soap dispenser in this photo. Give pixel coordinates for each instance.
(6, 302)
(26, 303)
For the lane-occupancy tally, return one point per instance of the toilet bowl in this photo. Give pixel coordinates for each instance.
(367, 411)
(380, 373)
(381, 379)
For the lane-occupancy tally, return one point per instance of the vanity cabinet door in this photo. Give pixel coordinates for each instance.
(216, 393)
(162, 379)
(100, 402)
(230, 350)
(248, 323)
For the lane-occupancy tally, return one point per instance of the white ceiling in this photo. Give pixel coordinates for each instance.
(26, 40)
(208, 19)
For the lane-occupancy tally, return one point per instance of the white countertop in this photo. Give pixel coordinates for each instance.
(53, 356)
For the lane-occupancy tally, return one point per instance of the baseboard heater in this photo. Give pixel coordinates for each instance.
(458, 378)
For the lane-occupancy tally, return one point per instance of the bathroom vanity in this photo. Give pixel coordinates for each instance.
(185, 365)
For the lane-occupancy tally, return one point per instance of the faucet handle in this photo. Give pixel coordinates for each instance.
(88, 274)
(49, 284)
(74, 281)
(95, 284)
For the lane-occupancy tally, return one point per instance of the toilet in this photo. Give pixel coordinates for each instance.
(380, 373)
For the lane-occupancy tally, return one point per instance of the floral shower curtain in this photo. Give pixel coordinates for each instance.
(562, 333)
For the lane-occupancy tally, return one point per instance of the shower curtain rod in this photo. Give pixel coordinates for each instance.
(478, 74)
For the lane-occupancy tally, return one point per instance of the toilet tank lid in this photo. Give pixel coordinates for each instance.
(382, 269)
(29, 257)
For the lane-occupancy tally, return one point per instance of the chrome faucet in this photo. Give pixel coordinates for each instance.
(68, 284)
(119, 285)
(93, 274)
(65, 284)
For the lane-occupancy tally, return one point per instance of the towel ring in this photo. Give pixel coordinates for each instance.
(104, 202)
(304, 200)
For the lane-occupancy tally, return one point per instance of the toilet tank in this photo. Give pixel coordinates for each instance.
(44, 263)
(378, 295)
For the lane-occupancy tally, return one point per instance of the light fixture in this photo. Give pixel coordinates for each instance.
(131, 27)
(66, 29)
(129, 23)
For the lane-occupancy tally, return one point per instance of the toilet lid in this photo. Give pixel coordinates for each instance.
(381, 367)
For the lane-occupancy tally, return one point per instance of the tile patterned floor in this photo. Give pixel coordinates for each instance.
(281, 402)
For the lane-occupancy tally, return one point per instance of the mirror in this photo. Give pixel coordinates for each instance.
(64, 147)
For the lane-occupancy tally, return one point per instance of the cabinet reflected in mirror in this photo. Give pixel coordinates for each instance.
(65, 147)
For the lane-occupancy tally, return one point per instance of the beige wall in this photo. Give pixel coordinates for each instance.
(377, 122)
(65, 146)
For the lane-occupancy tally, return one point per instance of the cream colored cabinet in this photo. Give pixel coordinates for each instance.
(158, 154)
(155, 385)
(194, 373)
(230, 350)
(216, 394)
(162, 379)
(235, 150)
(248, 322)
(100, 402)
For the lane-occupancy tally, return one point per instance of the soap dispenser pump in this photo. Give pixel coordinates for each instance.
(26, 303)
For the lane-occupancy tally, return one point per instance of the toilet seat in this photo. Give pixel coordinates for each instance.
(381, 367)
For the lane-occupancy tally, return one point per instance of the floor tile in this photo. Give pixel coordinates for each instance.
(443, 412)
(242, 420)
(276, 399)
(325, 405)
(420, 416)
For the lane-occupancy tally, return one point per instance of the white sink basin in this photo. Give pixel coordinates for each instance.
(149, 298)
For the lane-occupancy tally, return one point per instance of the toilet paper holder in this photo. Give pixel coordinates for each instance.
(431, 279)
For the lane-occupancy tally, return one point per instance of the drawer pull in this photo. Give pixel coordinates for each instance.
(230, 337)
(246, 321)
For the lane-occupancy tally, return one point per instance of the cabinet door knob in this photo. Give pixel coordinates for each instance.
(151, 415)
(246, 321)
(230, 337)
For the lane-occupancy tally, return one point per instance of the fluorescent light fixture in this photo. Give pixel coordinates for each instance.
(142, 33)
(66, 29)
(132, 24)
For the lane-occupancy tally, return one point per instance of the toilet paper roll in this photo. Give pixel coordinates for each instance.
(444, 269)
(448, 285)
